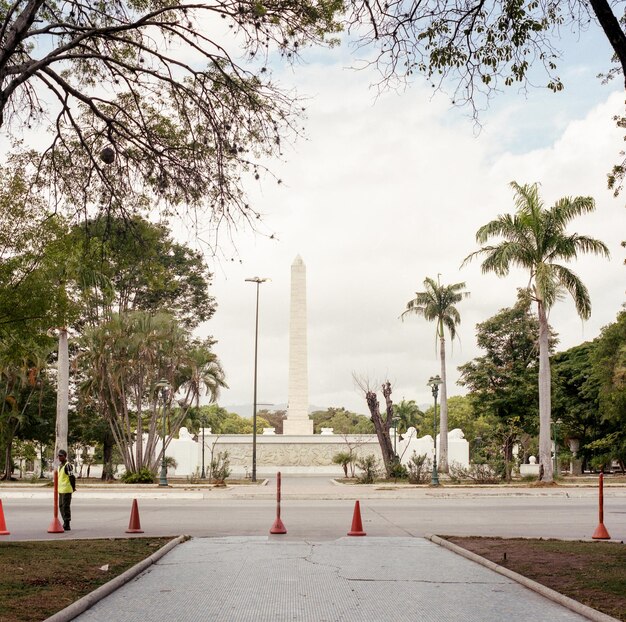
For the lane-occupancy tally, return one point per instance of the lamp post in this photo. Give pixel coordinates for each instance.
(41, 475)
(434, 383)
(203, 420)
(258, 282)
(163, 385)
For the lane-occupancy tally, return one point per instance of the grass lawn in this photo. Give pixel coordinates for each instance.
(38, 579)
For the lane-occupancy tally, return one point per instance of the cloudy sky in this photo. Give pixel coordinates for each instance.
(387, 191)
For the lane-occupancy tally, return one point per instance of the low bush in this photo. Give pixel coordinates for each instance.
(143, 476)
(220, 468)
(397, 470)
(476, 473)
(419, 469)
(371, 470)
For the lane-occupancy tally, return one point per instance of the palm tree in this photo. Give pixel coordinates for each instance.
(437, 304)
(534, 238)
(408, 414)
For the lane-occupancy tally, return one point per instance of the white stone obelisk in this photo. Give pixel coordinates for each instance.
(298, 421)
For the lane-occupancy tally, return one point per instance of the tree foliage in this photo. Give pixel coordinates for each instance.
(342, 421)
(135, 366)
(134, 265)
(609, 370)
(145, 98)
(480, 46)
(590, 394)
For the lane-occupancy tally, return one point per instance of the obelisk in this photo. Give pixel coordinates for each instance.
(298, 421)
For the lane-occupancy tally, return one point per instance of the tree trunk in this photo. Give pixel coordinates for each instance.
(107, 456)
(8, 462)
(612, 29)
(545, 447)
(443, 408)
(382, 430)
(62, 394)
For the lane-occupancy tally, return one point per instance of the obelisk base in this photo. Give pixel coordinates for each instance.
(298, 427)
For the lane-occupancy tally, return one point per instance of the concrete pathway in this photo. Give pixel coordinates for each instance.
(351, 579)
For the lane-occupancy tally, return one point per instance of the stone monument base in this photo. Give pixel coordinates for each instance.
(299, 427)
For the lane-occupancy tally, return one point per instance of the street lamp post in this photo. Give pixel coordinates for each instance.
(41, 475)
(163, 384)
(258, 282)
(203, 420)
(434, 383)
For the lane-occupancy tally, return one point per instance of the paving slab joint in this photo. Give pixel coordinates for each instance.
(557, 597)
(82, 604)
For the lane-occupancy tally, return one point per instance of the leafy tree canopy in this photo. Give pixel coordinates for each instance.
(342, 421)
(134, 265)
(503, 381)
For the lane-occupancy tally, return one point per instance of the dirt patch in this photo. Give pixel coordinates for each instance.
(593, 573)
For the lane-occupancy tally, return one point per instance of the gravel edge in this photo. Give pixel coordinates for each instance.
(82, 604)
(565, 601)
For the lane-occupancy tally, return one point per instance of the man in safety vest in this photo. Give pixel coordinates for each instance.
(65, 489)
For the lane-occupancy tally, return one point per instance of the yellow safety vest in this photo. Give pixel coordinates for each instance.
(64, 480)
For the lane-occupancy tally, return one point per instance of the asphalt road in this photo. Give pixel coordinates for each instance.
(324, 519)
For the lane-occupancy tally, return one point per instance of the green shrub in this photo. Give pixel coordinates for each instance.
(477, 473)
(419, 469)
(143, 476)
(370, 468)
(397, 470)
(220, 468)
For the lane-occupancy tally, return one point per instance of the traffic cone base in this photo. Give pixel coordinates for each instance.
(55, 526)
(357, 525)
(601, 533)
(3, 525)
(278, 526)
(134, 525)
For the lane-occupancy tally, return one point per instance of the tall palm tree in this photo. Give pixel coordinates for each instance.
(534, 238)
(436, 304)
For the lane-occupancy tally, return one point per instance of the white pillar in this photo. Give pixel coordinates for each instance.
(298, 421)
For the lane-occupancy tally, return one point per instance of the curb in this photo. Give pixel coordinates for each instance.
(565, 601)
(82, 604)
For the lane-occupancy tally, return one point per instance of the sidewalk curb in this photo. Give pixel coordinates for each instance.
(565, 601)
(82, 604)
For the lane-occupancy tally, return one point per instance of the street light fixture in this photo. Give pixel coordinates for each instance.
(164, 385)
(434, 383)
(258, 282)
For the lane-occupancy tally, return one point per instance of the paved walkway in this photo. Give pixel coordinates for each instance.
(351, 579)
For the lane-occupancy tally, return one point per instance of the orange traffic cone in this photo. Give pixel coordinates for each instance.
(134, 526)
(3, 525)
(357, 525)
(278, 526)
(601, 533)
